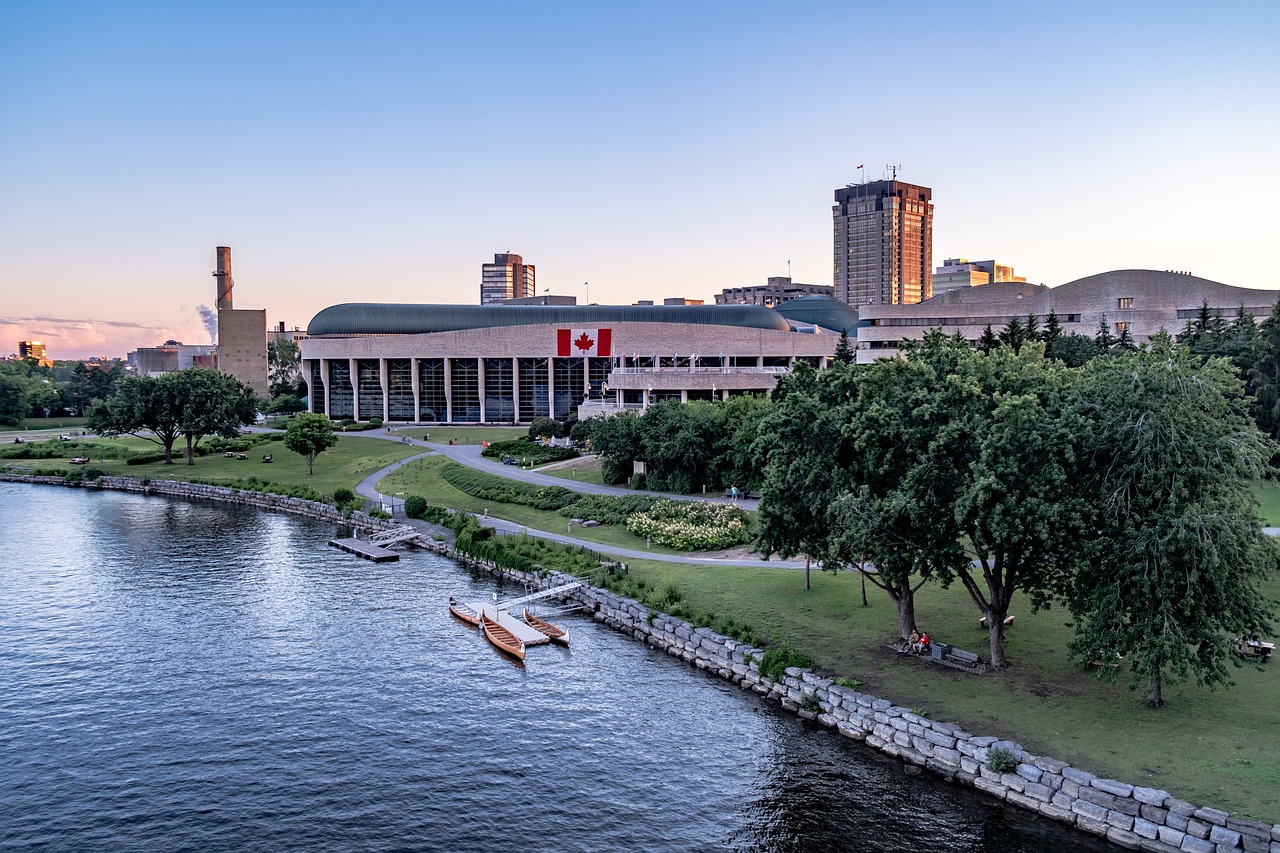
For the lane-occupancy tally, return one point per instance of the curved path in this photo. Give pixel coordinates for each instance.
(469, 455)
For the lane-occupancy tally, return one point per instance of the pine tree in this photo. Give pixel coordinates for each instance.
(988, 341)
(1051, 334)
(1033, 328)
(844, 351)
(1013, 335)
(1104, 339)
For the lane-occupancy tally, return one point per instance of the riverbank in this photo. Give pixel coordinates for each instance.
(1129, 815)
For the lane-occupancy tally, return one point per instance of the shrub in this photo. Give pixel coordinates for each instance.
(343, 495)
(375, 423)
(1000, 760)
(776, 660)
(609, 509)
(415, 506)
(637, 482)
(549, 427)
(377, 513)
(811, 703)
(851, 683)
(527, 449)
(691, 525)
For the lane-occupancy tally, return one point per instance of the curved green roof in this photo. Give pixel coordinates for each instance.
(373, 318)
(818, 310)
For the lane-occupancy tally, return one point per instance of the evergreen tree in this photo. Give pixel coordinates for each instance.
(1032, 332)
(1104, 340)
(1013, 335)
(1265, 374)
(1051, 334)
(988, 342)
(1124, 342)
(844, 351)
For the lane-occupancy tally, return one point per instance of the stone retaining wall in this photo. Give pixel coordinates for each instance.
(1130, 816)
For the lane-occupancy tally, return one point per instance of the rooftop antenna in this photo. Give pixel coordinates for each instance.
(893, 168)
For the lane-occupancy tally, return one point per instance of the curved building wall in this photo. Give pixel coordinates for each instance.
(1146, 301)
(518, 373)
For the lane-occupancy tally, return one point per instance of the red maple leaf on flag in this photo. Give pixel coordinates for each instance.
(584, 342)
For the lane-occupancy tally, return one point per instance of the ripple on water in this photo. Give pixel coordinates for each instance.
(193, 677)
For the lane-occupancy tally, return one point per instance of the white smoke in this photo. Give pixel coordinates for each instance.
(210, 319)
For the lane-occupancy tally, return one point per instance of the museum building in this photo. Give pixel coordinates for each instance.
(514, 363)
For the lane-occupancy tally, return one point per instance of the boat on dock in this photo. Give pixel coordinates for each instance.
(555, 632)
(501, 638)
(464, 611)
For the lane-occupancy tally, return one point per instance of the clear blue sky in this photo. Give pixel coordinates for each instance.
(382, 151)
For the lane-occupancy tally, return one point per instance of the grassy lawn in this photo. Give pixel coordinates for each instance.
(347, 463)
(581, 470)
(463, 434)
(1268, 492)
(423, 478)
(45, 423)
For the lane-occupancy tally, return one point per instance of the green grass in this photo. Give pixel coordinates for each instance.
(463, 435)
(45, 423)
(344, 465)
(1268, 492)
(578, 470)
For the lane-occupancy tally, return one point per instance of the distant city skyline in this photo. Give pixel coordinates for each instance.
(654, 150)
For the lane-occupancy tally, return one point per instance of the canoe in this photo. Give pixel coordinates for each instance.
(463, 611)
(555, 632)
(501, 638)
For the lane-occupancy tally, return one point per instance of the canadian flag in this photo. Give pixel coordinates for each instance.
(584, 342)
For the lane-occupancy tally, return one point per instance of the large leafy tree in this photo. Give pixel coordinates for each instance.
(1174, 570)
(1265, 374)
(141, 406)
(619, 440)
(1020, 507)
(210, 403)
(284, 368)
(737, 423)
(678, 445)
(15, 398)
(910, 449)
(806, 458)
(309, 435)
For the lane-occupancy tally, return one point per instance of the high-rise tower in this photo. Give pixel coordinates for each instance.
(508, 277)
(883, 243)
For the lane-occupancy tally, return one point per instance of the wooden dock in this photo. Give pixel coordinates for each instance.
(529, 635)
(367, 550)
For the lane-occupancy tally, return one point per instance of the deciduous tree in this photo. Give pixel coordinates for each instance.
(1174, 574)
(309, 435)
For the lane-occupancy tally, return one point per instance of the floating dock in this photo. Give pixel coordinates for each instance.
(364, 549)
(527, 634)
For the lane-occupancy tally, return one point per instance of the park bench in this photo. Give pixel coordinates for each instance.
(1008, 620)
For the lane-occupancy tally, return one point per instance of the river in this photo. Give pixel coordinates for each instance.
(183, 676)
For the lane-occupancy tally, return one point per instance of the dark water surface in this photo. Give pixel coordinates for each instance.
(180, 676)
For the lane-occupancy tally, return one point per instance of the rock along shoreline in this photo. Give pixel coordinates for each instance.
(1129, 816)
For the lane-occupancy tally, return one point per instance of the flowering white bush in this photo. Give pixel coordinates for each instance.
(691, 525)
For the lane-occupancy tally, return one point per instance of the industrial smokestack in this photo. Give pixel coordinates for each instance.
(223, 275)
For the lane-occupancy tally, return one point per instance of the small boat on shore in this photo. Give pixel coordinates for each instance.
(555, 632)
(501, 638)
(463, 611)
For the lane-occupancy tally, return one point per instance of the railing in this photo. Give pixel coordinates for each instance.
(633, 371)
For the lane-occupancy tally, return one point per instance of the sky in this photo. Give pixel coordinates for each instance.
(382, 151)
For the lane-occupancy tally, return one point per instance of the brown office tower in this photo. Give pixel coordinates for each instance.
(883, 243)
(508, 277)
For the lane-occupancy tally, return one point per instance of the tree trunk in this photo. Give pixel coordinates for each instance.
(906, 612)
(191, 452)
(995, 625)
(1155, 699)
(806, 572)
(311, 463)
(863, 575)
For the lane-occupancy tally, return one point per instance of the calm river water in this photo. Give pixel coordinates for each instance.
(179, 676)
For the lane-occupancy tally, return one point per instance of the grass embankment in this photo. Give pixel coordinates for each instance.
(424, 477)
(462, 435)
(344, 465)
(578, 470)
(44, 423)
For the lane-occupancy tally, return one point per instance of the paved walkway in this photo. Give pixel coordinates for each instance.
(469, 455)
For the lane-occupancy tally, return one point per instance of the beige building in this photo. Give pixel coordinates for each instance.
(883, 243)
(515, 363)
(242, 347)
(959, 272)
(1142, 301)
(777, 290)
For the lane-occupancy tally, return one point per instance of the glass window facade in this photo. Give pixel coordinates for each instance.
(317, 388)
(534, 399)
(431, 389)
(499, 390)
(465, 388)
(341, 399)
(369, 381)
(569, 386)
(400, 389)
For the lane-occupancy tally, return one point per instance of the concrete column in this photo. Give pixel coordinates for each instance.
(448, 390)
(684, 395)
(384, 379)
(480, 377)
(328, 386)
(353, 378)
(515, 388)
(415, 378)
(551, 386)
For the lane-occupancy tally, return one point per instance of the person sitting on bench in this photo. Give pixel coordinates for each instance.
(921, 644)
